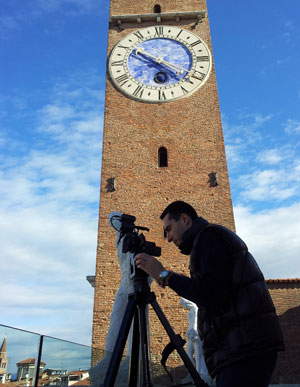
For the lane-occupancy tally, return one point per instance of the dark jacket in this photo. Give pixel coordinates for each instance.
(236, 317)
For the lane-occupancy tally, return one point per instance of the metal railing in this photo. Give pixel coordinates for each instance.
(34, 360)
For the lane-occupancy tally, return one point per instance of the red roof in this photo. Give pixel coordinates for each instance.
(84, 382)
(283, 280)
(78, 372)
(30, 360)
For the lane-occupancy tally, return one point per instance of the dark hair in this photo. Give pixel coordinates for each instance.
(177, 208)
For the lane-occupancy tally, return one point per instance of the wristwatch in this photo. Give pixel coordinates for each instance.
(164, 277)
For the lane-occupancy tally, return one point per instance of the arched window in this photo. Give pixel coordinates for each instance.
(157, 8)
(162, 157)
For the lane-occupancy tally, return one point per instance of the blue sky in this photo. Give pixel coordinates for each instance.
(52, 62)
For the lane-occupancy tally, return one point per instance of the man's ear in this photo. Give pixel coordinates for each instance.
(186, 218)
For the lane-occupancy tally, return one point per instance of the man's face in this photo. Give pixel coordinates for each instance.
(174, 229)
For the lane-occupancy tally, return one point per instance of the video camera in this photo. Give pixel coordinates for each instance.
(133, 242)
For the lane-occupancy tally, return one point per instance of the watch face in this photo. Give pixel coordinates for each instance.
(159, 64)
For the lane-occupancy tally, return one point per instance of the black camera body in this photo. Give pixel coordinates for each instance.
(134, 242)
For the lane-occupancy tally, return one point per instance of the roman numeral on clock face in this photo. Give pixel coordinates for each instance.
(198, 75)
(117, 63)
(138, 92)
(161, 95)
(122, 79)
(159, 31)
(178, 34)
(203, 58)
(139, 35)
(184, 90)
(195, 43)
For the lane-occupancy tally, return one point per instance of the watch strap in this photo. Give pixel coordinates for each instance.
(164, 277)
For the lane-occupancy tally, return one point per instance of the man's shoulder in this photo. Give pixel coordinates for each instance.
(217, 229)
(216, 233)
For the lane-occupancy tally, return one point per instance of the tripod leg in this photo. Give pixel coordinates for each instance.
(146, 378)
(115, 360)
(174, 339)
(135, 347)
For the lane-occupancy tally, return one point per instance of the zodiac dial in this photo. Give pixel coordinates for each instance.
(159, 64)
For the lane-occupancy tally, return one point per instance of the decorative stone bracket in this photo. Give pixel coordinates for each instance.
(118, 20)
(111, 184)
(213, 179)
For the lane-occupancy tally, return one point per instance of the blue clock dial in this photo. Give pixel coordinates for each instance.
(159, 64)
(159, 61)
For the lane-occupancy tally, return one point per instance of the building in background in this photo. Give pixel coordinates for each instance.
(3, 362)
(26, 369)
(79, 377)
(286, 297)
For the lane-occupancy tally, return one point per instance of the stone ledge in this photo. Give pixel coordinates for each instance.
(118, 20)
(91, 280)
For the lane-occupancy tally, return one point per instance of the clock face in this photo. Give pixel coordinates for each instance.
(159, 64)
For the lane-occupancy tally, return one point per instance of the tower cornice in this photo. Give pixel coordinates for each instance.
(164, 17)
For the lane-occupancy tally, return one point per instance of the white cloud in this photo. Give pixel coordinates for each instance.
(273, 238)
(242, 137)
(249, 150)
(292, 126)
(246, 129)
(21, 14)
(260, 119)
(271, 184)
(288, 31)
(55, 113)
(48, 217)
(270, 156)
(234, 154)
(49, 254)
(79, 5)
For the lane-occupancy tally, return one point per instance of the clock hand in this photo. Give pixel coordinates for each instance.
(179, 70)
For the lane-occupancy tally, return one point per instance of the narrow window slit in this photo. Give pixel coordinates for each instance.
(162, 157)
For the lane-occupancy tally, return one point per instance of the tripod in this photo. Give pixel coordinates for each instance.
(136, 312)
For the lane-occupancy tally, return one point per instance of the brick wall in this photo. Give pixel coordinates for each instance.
(119, 7)
(286, 297)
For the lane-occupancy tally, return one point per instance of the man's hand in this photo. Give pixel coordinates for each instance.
(149, 264)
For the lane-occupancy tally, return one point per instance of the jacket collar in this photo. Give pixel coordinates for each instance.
(188, 237)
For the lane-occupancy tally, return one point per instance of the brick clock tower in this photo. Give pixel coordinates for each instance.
(162, 141)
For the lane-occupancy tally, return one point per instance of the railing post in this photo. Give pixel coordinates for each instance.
(38, 363)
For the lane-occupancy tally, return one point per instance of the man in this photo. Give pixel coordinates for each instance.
(238, 324)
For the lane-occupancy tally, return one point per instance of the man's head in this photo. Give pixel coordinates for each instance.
(177, 217)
